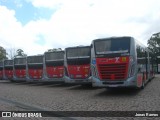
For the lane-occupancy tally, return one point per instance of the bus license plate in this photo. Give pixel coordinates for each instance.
(35, 76)
(78, 76)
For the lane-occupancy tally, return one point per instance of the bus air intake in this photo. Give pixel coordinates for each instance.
(113, 71)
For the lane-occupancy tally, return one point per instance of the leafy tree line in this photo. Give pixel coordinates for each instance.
(54, 49)
(12, 53)
(154, 44)
(3, 53)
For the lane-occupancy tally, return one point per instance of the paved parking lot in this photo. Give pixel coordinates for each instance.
(62, 97)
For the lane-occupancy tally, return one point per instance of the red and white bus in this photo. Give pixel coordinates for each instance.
(54, 66)
(8, 69)
(19, 69)
(1, 70)
(77, 65)
(120, 62)
(34, 68)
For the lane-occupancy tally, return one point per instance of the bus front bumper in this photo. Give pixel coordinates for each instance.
(77, 81)
(33, 79)
(130, 82)
(19, 79)
(46, 79)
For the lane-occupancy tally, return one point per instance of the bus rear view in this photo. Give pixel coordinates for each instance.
(1, 70)
(8, 69)
(54, 66)
(20, 69)
(35, 68)
(77, 65)
(113, 62)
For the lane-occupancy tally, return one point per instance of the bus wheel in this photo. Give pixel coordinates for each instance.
(143, 84)
(12, 81)
(86, 85)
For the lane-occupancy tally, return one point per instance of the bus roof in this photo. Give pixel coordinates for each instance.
(113, 38)
(78, 47)
(8, 60)
(35, 55)
(20, 57)
(54, 51)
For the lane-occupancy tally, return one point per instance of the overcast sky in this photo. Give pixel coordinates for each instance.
(38, 25)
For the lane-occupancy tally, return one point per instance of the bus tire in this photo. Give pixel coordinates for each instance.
(86, 85)
(10, 80)
(143, 83)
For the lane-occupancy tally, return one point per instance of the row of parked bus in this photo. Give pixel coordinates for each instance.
(107, 62)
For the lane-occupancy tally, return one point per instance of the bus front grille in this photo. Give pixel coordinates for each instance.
(113, 71)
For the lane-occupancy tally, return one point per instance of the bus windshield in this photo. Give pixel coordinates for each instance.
(8, 62)
(113, 45)
(19, 61)
(78, 53)
(35, 59)
(54, 56)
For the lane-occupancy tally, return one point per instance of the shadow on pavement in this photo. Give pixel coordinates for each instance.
(59, 85)
(83, 87)
(119, 92)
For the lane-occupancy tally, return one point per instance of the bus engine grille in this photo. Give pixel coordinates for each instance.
(113, 71)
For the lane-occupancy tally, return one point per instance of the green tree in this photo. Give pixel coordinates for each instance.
(54, 49)
(11, 52)
(3, 53)
(20, 52)
(154, 44)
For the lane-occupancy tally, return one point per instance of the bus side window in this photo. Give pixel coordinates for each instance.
(140, 58)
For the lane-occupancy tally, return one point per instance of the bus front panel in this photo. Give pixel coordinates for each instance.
(54, 62)
(20, 71)
(35, 71)
(78, 65)
(1, 73)
(8, 72)
(113, 62)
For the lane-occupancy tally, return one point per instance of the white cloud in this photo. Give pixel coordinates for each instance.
(13, 34)
(77, 22)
